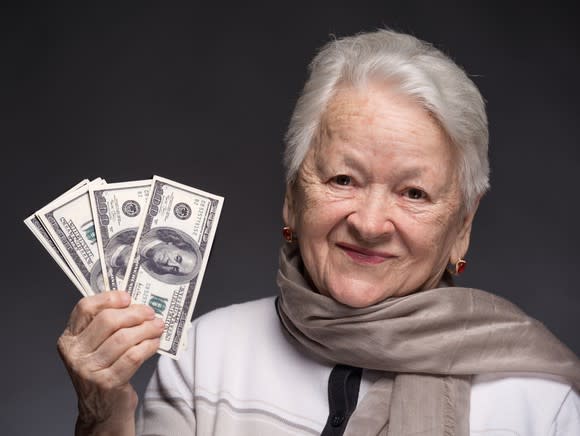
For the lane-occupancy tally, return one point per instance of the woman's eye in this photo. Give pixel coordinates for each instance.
(416, 194)
(342, 180)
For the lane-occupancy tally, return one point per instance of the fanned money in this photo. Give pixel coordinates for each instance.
(168, 261)
(44, 238)
(150, 237)
(117, 209)
(69, 222)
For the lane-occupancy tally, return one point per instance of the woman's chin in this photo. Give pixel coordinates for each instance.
(357, 297)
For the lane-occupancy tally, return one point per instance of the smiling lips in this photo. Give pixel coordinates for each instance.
(363, 255)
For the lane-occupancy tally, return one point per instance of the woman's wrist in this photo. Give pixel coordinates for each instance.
(114, 426)
(116, 418)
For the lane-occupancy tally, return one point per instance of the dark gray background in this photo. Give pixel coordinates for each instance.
(203, 96)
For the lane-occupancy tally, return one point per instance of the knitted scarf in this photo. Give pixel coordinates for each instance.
(433, 341)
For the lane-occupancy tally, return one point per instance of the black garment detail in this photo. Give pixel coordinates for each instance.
(343, 387)
(277, 310)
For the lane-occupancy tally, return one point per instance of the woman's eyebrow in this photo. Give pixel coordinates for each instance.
(410, 173)
(402, 173)
(353, 163)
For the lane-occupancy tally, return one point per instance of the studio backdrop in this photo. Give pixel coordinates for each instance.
(203, 97)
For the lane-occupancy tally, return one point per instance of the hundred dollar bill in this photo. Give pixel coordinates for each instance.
(38, 230)
(69, 222)
(117, 210)
(168, 262)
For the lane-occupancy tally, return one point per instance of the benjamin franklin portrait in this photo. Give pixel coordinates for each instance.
(170, 255)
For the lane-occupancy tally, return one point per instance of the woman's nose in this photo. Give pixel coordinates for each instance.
(372, 218)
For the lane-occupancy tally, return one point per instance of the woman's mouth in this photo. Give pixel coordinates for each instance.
(364, 255)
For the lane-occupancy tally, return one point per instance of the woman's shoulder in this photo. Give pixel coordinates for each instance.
(262, 306)
(523, 403)
(239, 316)
(229, 329)
(220, 337)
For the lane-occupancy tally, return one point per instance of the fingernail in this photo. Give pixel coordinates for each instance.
(159, 322)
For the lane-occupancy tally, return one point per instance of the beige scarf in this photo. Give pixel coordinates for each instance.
(433, 340)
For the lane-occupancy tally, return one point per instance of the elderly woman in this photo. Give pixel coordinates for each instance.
(386, 164)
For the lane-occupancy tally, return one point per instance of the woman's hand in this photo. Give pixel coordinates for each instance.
(104, 343)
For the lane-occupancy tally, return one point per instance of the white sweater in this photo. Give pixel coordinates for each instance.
(240, 375)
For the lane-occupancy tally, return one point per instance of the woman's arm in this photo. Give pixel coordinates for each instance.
(104, 343)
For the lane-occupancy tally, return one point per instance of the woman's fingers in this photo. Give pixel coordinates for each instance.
(123, 340)
(125, 367)
(106, 340)
(87, 308)
(109, 321)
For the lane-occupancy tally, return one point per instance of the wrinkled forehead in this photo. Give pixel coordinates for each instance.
(382, 116)
(368, 104)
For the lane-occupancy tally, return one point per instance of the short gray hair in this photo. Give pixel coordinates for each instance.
(421, 71)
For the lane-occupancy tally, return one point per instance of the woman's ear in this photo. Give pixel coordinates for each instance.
(461, 245)
(288, 210)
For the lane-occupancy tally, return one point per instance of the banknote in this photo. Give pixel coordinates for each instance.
(38, 230)
(168, 261)
(117, 210)
(69, 222)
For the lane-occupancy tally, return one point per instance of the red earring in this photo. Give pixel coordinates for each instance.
(288, 234)
(460, 266)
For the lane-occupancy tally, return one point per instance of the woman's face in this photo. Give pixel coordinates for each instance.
(377, 206)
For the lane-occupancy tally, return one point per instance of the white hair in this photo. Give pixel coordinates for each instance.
(420, 71)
